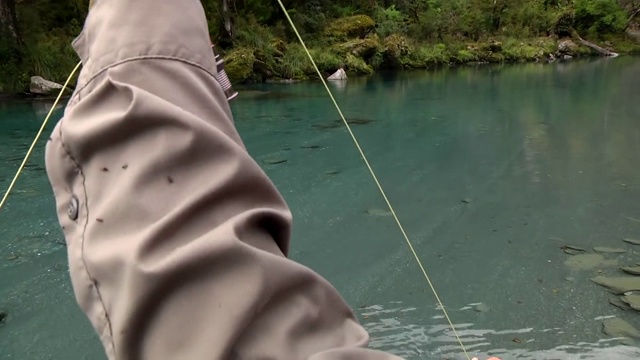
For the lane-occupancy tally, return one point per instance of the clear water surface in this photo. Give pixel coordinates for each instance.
(490, 169)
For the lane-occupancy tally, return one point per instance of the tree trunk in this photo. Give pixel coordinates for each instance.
(595, 47)
(8, 18)
(632, 16)
(226, 16)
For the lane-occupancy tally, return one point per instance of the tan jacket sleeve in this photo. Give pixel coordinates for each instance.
(177, 240)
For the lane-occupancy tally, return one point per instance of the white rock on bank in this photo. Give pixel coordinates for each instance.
(43, 87)
(338, 75)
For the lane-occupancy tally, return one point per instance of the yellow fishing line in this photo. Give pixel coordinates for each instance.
(375, 178)
(33, 144)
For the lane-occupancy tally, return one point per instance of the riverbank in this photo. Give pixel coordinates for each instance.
(277, 61)
(258, 45)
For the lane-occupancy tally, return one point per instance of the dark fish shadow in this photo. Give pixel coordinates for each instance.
(339, 123)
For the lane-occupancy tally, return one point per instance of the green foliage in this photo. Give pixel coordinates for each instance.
(295, 63)
(239, 64)
(600, 16)
(389, 21)
(515, 50)
(326, 61)
(349, 27)
(357, 65)
(359, 35)
(428, 56)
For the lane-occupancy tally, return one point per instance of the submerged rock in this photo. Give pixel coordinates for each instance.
(617, 302)
(634, 270)
(378, 212)
(631, 241)
(619, 328)
(618, 285)
(3, 316)
(609, 250)
(482, 308)
(632, 300)
(587, 262)
(573, 250)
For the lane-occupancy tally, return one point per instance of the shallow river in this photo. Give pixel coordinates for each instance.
(491, 171)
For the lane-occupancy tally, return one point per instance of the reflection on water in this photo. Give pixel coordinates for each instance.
(391, 329)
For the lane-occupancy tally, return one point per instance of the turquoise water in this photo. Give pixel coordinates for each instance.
(490, 170)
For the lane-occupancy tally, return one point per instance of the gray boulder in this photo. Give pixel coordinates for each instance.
(41, 86)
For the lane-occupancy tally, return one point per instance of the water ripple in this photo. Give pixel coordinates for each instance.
(391, 329)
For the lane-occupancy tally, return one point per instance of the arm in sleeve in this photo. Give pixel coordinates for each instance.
(177, 241)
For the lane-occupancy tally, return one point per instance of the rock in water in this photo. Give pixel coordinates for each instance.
(572, 250)
(617, 302)
(42, 86)
(586, 261)
(619, 328)
(618, 285)
(632, 300)
(338, 75)
(634, 270)
(632, 241)
(609, 250)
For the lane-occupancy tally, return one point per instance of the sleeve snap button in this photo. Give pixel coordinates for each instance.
(72, 211)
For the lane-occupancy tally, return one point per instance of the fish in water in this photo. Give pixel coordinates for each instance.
(274, 161)
(338, 123)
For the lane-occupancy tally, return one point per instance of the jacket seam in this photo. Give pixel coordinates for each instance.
(72, 102)
(94, 283)
(139, 58)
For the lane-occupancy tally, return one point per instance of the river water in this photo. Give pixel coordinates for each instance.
(491, 170)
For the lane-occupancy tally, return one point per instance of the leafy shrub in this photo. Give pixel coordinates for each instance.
(599, 16)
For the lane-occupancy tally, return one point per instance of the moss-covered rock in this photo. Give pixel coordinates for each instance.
(357, 65)
(239, 64)
(362, 48)
(350, 27)
(396, 49)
